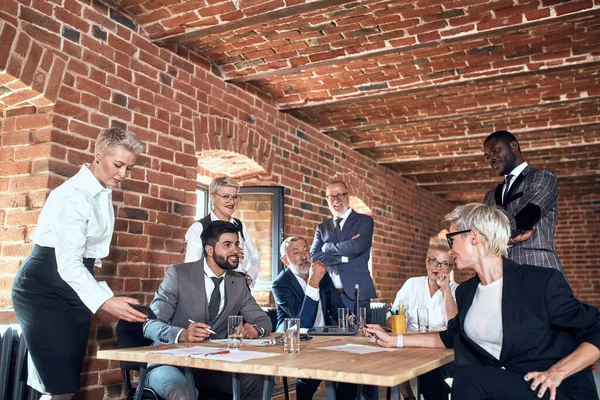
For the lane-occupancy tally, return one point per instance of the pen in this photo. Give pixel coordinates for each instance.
(206, 329)
(216, 353)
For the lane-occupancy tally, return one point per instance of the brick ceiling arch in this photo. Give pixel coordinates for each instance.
(415, 86)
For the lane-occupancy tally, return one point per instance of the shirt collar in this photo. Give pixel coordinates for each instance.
(213, 217)
(90, 182)
(518, 169)
(209, 272)
(344, 216)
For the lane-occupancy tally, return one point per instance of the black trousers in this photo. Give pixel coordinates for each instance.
(306, 388)
(433, 385)
(477, 382)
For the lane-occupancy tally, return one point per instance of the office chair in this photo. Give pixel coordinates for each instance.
(130, 334)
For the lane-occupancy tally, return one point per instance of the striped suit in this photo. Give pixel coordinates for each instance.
(539, 187)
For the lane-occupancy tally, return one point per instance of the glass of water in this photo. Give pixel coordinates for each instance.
(234, 331)
(291, 338)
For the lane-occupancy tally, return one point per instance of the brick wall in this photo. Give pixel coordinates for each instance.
(68, 72)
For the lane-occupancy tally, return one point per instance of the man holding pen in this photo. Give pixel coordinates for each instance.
(192, 304)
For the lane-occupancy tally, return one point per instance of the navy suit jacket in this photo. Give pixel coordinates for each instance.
(358, 251)
(293, 303)
(542, 322)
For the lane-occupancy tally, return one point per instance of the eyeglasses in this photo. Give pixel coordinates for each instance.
(339, 196)
(449, 236)
(443, 265)
(227, 198)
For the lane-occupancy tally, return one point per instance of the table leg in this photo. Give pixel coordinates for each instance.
(139, 391)
(268, 387)
(235, 381)
(191, 384)
(330, 390)
(358, 392)
(395, 391)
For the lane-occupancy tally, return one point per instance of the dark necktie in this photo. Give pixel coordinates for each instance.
(338, 226)
(215, 299)
(505, 192)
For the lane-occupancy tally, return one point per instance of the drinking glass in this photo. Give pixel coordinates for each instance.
(291, 337)
(234, 331)
(343, 314)
(423, 319)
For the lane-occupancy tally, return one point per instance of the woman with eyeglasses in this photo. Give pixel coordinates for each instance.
(225, 198)
(436, 292)
(519, 332)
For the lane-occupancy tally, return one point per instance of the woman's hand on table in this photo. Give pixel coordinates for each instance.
(380, 336)
(120, 307)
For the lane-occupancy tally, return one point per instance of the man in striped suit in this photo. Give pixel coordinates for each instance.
(529, 197)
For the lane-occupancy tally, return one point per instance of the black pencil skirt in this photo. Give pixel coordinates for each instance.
(54, 321)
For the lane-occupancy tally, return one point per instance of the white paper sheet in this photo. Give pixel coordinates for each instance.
(249, 342)
(189, 351)
(236, 355)
(357, 348)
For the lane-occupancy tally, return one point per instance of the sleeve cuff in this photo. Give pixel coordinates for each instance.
(177, 337)
(344, 259)
(97, 295)
(312, 292)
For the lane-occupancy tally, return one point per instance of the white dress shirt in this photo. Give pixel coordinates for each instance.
(334, 272)
(77, 220)
(415, 294)
(194, 250)
(313, 293)
(483, 323)
(515, 173)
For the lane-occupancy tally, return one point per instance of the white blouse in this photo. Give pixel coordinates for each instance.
(77, 220)
(483, 322)
(415, 294)
(194, 250)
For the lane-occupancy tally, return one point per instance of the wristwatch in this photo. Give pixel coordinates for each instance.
(400, 341)
(259, 329)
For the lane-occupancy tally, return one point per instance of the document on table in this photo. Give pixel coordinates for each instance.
(189, 351)
(357, 348)
(249, 342)
(236, 355)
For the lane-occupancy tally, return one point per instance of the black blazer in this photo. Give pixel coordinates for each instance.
(293, 303)
(542, 323)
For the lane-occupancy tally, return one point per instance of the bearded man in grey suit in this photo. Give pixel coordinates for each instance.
(529, 198)
(207, 292)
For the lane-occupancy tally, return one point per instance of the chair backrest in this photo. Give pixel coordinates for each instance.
(272, 313)
(130, 334)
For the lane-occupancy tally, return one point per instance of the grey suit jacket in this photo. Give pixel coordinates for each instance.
(182, 296)
(539, 187)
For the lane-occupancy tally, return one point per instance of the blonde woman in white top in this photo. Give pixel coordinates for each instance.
(54, 291)
(224, 195)
(437, 293)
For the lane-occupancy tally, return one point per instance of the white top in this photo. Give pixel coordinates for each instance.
(515, 173)
(415, 294)
(78, 220)
(333, 271)
(313, 293)
(194, 250)
(483, 323)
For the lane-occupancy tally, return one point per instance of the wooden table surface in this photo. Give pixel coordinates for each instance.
(380, 369)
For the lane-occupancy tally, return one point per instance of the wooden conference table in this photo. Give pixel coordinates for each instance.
(386, 368)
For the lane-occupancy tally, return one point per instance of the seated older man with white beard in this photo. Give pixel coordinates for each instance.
(304, 290)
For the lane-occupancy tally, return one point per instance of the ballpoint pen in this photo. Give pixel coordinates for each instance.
(363, 326)
(206, 329)
(217, 352)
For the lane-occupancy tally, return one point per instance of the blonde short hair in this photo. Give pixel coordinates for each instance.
(439, 244)
(113, 137)
(221, 181)
(490, 221)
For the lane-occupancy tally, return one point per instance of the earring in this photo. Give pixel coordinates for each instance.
(97, 162)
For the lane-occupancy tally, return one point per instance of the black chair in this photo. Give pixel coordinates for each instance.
(130, 334)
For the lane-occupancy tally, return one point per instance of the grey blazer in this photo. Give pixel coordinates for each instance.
(539, 187)
(182, 296)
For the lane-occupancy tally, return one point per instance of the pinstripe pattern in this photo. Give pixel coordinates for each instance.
(539, 187)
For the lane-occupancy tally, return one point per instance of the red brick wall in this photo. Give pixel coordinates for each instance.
(88, 72)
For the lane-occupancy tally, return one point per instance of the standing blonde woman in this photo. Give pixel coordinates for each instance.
(224, 195)
(54, 291)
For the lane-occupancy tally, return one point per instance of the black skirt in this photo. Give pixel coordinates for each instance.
(53, 319)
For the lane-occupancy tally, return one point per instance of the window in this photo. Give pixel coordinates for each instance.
(201, 202)
(261, 210)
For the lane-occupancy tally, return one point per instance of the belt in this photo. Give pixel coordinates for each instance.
(340, 291)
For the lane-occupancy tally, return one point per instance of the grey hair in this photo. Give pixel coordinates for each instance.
(221, 181)
(286, 242)
(490, 221)
(113, 137)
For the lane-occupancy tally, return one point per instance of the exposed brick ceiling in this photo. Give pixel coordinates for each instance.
(415, 85)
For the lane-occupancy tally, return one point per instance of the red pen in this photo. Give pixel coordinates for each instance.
(217, 352)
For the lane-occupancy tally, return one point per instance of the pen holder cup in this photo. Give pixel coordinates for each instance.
(398, 324)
